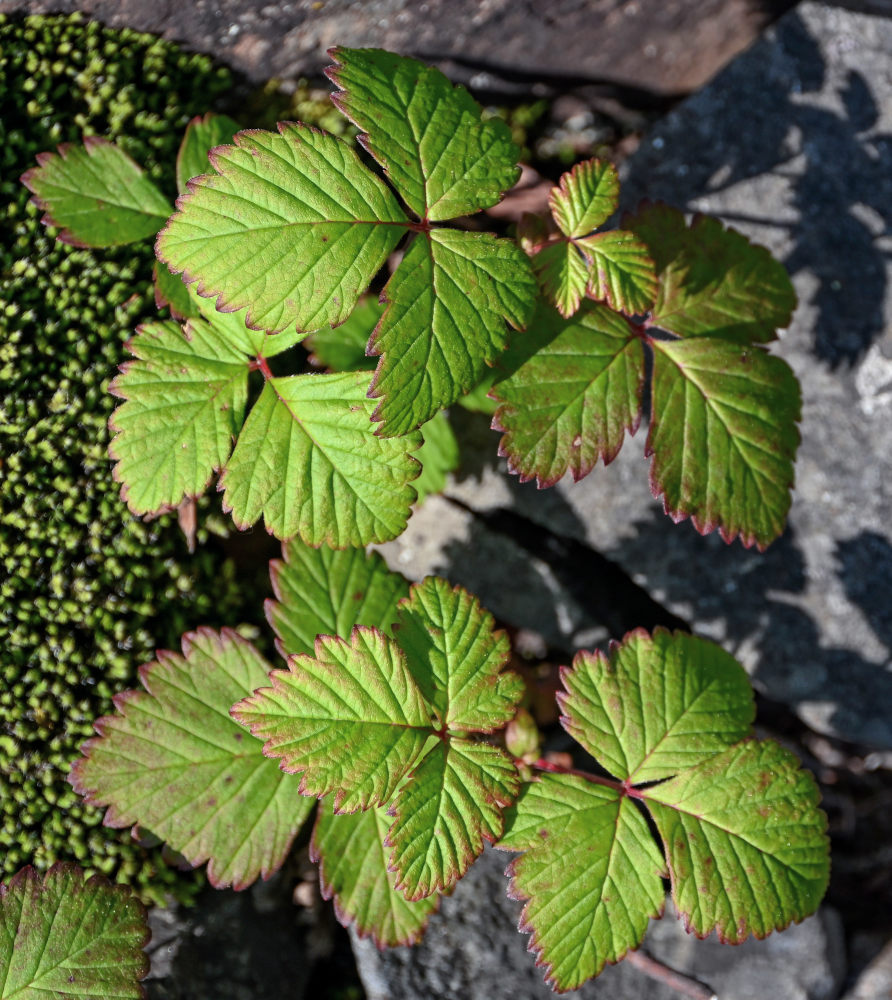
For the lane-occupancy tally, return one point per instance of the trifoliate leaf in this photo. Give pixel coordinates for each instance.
(656, 703)
(349, 719)
(586, 198)
(426, 133)
(170, 291)
(203, 133)
(174, 762)
(360, 717)
(712, 281)
(184, 403)
(444, 814)
(622, 272)
(742, 834)
(723, 437)
(570, 389)
(320, 591)
(96, 195)
(591, 874)
(308, 462)
(439, 455)
(63, 935)
(445, 322)
(353, 868)
(456, 657)
(291, 226)
(562, 274)
(342, 348)
(746, 845)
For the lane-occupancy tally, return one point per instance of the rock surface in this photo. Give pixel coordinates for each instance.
(791, 144)
(472, 951)
(875, 983)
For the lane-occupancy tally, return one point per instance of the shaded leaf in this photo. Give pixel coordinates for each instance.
(443, 816)
(427, 134)
(445, 322)
(746, 843)
(353, 868)
(172, 293)
(569, 391)
(656, 703)
(712, 281)
(342, 348)
(723, 437)
(439, 455)
(263, 233)
(203, 133)
(232, 326)
(349, 719)
(320, 591)
(185, 400)
(622, 272)
(172, 760)
(63, 935)
(96, 195)
(591, 874)
(586, 197)
(562, 274)
(308, 462)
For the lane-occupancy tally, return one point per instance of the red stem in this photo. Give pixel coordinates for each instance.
(547, 765)
(685, 985)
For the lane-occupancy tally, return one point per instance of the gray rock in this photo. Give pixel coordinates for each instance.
(472, 951)
(792, 144)
(875, 982)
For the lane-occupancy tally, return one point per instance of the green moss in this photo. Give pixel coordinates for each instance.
(86, 591)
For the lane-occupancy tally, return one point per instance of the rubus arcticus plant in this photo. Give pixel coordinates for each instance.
(395, 703)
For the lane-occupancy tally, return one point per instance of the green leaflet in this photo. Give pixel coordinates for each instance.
(96, 195)
(562, 273)
(585, 198)
(569, 391)
(170, 291)
(342, 348)
(723, 436)
(656, 703)
(63, 935)
(744, 840)
(391, 722)
(185, 400)
(173, 761)
(353, 859)
(712, 281)
(622, 272)
(262, 232)
(320, 591)
(445, 322)
(591, 873)
(746, 843)
(231, 325)
(203, 133)
(427, 134)
(308, 463)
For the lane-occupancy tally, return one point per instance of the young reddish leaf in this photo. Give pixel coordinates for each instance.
(320, 591)
(426, 133)
(562, 274)
(349, 719)
(591, 875)
(457, 658)
(343, 348)
(203, 133)
(185, 400)
(745, 841)
(586, 198)
(712, 281)
(656, 703)
(622, 272)
(444, 814)
(96, 195)
(445, 322)
(174, 762)
(354, 869)
(64, 935)
(572, 389)
(723, 437)
(308, 462)
(438, 455)
(262, 232)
